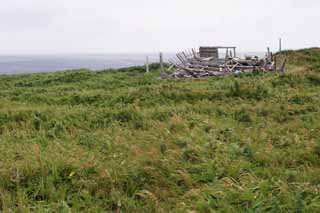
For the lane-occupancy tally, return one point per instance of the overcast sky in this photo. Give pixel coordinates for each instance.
(126, 26)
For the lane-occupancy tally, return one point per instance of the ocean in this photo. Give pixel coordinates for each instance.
(18, 64)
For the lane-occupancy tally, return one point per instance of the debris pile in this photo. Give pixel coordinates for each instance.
(206, 62)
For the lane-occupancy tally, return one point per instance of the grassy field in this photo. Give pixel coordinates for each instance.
(123, 141)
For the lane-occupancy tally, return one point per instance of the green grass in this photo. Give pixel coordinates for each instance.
(302, 60)
(127, 142)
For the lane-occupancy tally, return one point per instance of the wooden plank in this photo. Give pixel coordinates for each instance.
(194, 53)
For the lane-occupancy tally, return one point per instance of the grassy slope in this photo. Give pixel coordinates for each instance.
(126, 141)
(302, 60)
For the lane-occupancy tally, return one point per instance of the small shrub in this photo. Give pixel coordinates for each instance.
(57, 130)
(227, 135)
(221, 113)
(190, 154)
(125, 99)
(235, 89)
(103, 120)
(183, 142)
(287, 80)
(161, 116)
(281, 142)
(281, 116)
(127, 116)
(85, 100)
(248, 152)
(235, 150)
(259, 93)
(20, 117)
(4, 118)
(37, 122)
(242, 116)
(314, 79)
(263, 112)
(298, 99)
(317, 149)
(135, 180)
(163, 148)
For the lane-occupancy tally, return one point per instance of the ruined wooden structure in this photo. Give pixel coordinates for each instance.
(208, 62)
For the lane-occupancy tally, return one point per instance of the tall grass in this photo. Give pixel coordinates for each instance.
(127, 142)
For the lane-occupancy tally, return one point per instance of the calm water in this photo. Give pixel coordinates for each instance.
(46, 63)
(16, 64)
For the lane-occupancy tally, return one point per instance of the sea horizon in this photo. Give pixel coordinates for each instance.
(36, 63)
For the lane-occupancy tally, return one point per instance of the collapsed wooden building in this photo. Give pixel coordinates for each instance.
(208, 62)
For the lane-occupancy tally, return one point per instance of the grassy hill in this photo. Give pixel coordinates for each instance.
(302, 60)
(127, 142)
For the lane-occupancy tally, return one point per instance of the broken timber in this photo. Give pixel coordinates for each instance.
(206, 62)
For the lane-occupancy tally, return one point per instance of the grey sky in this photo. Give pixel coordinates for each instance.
(105, 26)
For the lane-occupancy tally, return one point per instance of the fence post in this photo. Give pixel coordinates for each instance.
(161, 63)
(280, 45)
(147, 64)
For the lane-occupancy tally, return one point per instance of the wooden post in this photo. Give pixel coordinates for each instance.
(275, 63)
(280, 45)
(268, 50)
(283, 65)
(147, 64)
(161, 63)
(234, 52)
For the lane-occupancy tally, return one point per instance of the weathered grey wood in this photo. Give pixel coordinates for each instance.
(181, 59)
(194, 53)
(190, 65)
(280, 45)
(206, 52)
(283, 65)
(182, 56)
(171, 67)
(190, 53)
(147, 64)
(185, 56)
(161, 63)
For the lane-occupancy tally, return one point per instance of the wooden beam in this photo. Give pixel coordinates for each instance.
(194, 53)
(161, 63)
